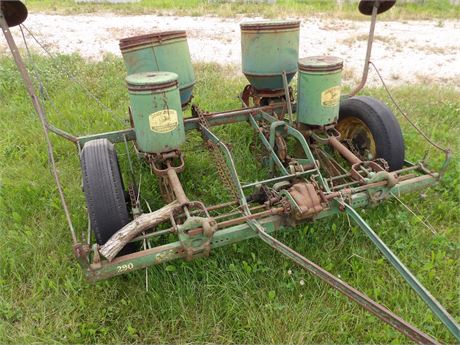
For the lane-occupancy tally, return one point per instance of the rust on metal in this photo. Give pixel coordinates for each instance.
(264, 97)
(270, 25)
(279, 201)
(344, 151)
(152, 87)
(157, 37)
(366, 6)
(320, 64)
(378, 310)
(14, 12)
(176, 185)
(244, 219)
(307, 199)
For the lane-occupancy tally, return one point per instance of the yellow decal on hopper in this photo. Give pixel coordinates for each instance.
(163, 121)
(330, 97)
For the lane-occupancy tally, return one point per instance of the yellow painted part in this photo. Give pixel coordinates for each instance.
(352, 127)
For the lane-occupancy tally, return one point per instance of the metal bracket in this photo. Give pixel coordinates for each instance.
(199, 244)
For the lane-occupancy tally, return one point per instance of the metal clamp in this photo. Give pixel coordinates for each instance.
(194, 244)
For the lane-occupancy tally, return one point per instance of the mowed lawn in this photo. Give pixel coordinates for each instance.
(244, 293)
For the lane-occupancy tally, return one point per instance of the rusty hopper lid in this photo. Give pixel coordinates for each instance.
(320, 64)
(151, 81)
(270, 25)
(365, 6)
(14, 12)
(156, 37)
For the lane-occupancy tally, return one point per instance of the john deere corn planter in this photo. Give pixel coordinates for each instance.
(349, 153)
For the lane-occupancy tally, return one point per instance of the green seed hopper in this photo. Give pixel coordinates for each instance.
(156, 109)
(269, 48)
(348, 152)
(161, 51)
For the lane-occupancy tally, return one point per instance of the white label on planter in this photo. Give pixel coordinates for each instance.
(163, 121)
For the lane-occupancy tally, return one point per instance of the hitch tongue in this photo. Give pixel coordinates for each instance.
(424, 294)
(378, 310)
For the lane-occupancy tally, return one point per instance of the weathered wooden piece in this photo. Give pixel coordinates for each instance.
(148, 220)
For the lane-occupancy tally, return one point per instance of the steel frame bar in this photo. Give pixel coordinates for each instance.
(172, 251)
(279, 178)
(214, 119)
(229, 160)
(273, 156)
(114, 137)
(297, 135)
(424, 294)
(376, 309)
(232, 116)
(235, 233)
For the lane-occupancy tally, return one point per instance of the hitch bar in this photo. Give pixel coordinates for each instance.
(378, 310)
(424, 294)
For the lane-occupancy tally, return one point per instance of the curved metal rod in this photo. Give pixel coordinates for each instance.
(370, 40)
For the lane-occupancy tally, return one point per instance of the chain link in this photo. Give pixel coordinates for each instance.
(217, 155)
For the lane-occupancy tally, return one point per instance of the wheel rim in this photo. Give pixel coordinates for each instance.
(358, 136)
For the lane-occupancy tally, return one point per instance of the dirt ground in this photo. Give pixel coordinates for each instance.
(405, 52)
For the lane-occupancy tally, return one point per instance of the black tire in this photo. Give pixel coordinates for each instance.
(381, 123)
(104, 191)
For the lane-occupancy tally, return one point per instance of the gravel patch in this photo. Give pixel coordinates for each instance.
(405, 52)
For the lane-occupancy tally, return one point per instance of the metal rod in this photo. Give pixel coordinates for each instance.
(221, 226)
(226, 204)
(274, 157)
(378, 310)
(152, 234)
(244, 219)
(41, 114)
(287, 97)
(62, 133)
(239, 212)
(340, 186)
(344, 151)
(279, 178)
(338, 177)
(176, 185)
(424, 294)
(231, 116)
(370, 40)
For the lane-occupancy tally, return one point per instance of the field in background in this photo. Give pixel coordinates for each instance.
(244, 293)
(429, 9)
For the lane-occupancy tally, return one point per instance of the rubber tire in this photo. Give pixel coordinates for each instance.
(104, 191)
(383, 125)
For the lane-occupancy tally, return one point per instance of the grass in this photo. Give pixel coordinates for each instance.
(430, 9)
(244, 293)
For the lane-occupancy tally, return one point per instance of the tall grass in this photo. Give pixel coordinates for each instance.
(244, 293)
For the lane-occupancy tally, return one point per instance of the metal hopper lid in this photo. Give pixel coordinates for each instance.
(151, 81)
(270, 25)
(14, 11)
(365, 6)
(320, 64)
(155, 37)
